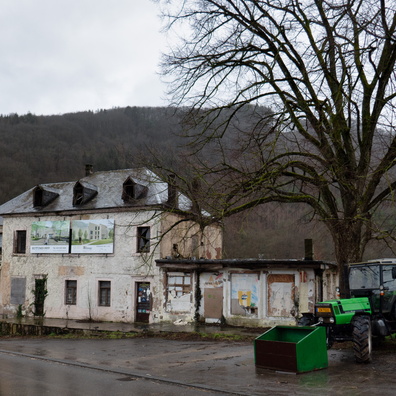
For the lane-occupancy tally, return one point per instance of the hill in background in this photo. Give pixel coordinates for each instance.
(44, 149)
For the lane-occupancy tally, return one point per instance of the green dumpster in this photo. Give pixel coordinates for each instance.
(292, 348)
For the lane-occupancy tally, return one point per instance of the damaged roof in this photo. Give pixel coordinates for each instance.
(100, 190)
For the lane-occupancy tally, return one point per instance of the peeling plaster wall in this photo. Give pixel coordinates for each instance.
(267, 298)
(179, 304)
(123, 268)
(190, 241)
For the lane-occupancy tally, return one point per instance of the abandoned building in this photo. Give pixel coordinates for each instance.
(106, 248)
(87, 249)
(244, 292)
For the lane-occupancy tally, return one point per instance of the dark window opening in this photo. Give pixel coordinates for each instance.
(78, 195)
(71, 292)
(143, 239)
(128, 191)
(83, 193)
(20, 242)
(38, 197)
(104, 293)
(133, 191)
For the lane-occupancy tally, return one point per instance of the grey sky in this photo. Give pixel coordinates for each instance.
(60, 56)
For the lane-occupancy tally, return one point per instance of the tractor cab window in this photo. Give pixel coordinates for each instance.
(389, 280)
(364, 277)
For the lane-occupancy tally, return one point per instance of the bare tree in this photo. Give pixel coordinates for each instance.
(327, 70)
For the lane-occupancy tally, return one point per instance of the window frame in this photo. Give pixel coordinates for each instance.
(73, 289)
(178, 289)
(143, 236)
(20, 239)
(104, 286)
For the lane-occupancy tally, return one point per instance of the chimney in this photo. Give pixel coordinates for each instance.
(88, 169)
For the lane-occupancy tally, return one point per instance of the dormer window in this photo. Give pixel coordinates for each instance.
(42, 196)
(83, 192)
(132, 191)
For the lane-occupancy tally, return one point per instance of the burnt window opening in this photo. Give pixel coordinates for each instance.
(20, 242)
(132, 191)
(43, 196)
(143, 239)
(83, 193)
(71, 292)
(104, 293)
(179, 284)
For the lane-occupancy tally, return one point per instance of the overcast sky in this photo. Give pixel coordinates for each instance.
(60, 56)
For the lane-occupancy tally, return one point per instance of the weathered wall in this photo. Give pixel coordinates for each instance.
(258, 298)
(188, 241)
(123, 268)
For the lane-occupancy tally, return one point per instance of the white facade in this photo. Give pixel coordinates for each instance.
(88, 270)
(124, 268)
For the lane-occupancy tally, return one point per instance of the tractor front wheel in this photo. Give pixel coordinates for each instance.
(362, 338)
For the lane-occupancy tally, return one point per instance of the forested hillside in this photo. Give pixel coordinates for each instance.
(42, 149)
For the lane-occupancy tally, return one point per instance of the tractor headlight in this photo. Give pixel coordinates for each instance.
(320, 319)
(331, 320)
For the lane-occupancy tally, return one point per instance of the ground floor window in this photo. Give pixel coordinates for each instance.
(104, 293)
(71, 292)
(179, 284)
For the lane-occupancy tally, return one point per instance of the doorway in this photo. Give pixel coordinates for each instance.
(40, 293)
(143, 302)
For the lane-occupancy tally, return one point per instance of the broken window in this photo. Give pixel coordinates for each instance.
(83, 192)
(143, 239)
(20, 242)
(179, 284)
(78, 195)
(44, 196)
(132, 191)
(104, 293)
(71, 292)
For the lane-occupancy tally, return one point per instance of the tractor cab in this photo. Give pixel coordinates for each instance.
(376, 280)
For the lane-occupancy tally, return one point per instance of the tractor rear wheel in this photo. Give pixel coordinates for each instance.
(362, 338)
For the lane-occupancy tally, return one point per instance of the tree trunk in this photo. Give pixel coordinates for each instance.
(347, 238)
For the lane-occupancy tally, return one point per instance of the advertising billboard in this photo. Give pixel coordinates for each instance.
(50, 237)
(92, 236)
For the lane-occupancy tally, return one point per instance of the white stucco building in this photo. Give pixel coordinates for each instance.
(87, 249)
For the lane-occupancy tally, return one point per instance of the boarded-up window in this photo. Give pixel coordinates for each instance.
(280, 295)
(179, 296)
(244, 294)
(18, 290)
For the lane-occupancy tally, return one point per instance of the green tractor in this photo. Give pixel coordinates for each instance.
(370, 313)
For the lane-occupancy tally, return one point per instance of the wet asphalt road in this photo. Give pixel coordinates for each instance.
(155, 366)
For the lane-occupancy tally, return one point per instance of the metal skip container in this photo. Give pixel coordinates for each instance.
(292, 348)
